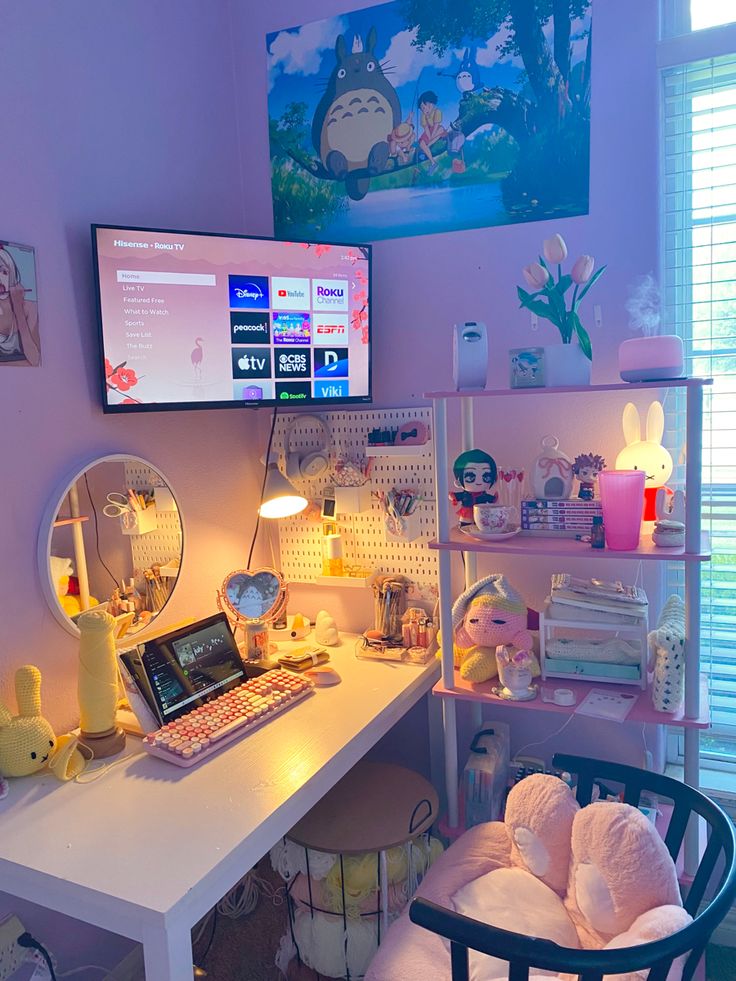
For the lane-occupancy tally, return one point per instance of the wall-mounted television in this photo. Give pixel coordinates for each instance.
(190, 320)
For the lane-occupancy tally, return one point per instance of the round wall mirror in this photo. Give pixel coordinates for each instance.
(111, 536)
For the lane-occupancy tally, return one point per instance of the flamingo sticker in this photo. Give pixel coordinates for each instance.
(196, 356)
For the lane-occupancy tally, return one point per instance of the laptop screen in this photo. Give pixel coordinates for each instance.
(192, 665)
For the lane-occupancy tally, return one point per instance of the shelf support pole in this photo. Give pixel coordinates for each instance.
(439, 410)
(693, 577)
(470, 559)
(80, 558)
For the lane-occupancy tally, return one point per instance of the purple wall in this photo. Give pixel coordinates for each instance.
(117, 115)
(423, 285)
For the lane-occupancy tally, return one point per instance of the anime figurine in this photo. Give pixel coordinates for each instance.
(401, 141)
(586, 467)
(355, 140)
(475, 473)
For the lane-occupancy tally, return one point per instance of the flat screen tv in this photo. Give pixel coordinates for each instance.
(190, 320)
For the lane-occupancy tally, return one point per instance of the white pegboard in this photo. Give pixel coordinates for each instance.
(363, 534)
(163, 544)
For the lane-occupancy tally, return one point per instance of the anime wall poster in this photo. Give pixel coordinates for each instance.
(421, 116)
(20, 344)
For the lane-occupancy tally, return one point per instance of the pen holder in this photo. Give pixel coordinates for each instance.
(406, 528)
(139, 522)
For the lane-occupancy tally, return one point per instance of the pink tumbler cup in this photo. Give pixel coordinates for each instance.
(622, 499)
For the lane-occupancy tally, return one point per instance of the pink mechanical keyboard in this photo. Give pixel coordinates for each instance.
(193, 737)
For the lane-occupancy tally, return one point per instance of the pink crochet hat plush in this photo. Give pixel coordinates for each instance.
(620, 869)
(539, 819)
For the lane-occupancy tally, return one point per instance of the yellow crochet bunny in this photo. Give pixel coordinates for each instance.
(27, 740)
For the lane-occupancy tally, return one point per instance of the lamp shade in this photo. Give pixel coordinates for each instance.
(280, 498)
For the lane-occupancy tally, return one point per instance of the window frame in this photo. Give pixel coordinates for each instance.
(679, 46)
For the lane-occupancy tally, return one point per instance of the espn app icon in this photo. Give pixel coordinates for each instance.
(329, 330)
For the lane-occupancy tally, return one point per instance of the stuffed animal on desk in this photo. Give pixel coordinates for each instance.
(488, 615)
(27, 741)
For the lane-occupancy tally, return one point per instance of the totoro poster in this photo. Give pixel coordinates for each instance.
(422, 116)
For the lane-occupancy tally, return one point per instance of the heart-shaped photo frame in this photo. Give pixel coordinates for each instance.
(258, 594)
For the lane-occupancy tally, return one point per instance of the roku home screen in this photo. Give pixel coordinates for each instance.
(196, 318)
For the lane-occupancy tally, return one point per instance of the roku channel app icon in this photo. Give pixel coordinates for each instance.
(249, 328)
(248, 292)
(330, 294)
(291, 328)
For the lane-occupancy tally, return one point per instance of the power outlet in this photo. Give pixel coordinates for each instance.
(11, 955)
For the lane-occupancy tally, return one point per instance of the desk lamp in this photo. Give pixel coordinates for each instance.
(280, 499)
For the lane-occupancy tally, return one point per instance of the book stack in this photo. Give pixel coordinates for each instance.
(563, 519)
(576, 599)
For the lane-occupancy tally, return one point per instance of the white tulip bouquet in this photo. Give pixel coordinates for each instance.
(548, 299)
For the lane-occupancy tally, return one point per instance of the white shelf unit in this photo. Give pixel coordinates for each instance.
(693, 554)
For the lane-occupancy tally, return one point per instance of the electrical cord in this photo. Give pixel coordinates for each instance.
(97, 532)
(263, 486)
(30, 942)
(201, 958)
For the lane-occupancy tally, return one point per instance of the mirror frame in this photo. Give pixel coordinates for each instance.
(46, 532)
(271, 614)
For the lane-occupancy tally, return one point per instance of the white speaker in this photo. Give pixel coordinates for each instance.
(311, 463)
(469, 355)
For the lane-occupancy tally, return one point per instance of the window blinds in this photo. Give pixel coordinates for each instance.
(699, 303)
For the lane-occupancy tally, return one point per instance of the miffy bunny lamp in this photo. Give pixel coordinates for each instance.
(646, 454)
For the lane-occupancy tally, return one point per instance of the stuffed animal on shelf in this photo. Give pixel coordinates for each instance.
(488, 615)
(27, 741)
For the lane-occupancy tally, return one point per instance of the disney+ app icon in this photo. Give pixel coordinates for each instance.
(249, 292)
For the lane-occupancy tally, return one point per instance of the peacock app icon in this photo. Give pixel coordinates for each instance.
(248, 292)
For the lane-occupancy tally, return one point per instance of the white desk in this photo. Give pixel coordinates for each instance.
(148, 848)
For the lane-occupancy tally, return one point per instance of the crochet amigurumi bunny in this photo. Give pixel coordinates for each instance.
(27, 741)
(488, 615)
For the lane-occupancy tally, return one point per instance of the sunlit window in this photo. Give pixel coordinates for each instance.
(711, 13)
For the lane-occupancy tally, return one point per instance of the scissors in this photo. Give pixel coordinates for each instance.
(117, 506)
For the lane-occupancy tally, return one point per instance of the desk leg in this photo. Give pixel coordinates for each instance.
(167, 953)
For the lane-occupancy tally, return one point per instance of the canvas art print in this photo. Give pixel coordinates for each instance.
(422, 116)
(20, 344)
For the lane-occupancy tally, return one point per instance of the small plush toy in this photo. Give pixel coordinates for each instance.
(475, 473)
(27, 741)
(489, 614)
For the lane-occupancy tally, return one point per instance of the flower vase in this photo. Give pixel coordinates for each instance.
(565, 366)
